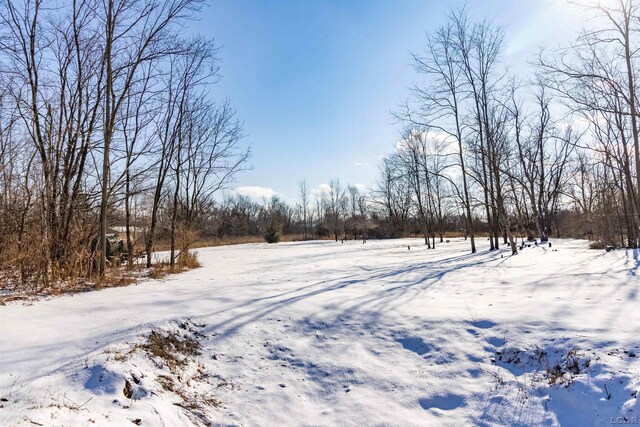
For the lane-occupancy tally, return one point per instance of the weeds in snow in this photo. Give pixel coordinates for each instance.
(116, 276)
(553, 367)
(175, 352)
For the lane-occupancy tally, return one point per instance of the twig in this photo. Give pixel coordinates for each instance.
(88, 400)
(608, 394)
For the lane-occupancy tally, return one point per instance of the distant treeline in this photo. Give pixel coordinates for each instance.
(112, 145)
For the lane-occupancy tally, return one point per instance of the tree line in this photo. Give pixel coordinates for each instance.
(528, 156)
(484, 151)
(107, 118)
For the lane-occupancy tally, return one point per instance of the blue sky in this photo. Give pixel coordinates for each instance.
(315, 81)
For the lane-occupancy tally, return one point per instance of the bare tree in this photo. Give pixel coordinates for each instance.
(596, 78)
(334, 201)
(135, 32)
(363, 209)
(439, 104)
(353, 196)
(304, 205)
(393, 193)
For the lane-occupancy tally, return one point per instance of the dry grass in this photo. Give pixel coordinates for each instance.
(168, 384)
(177, 351)
(164, 246)
(196, 406)
(115, 281)
(159, 270)
(188, 260)
(4, 299)
(452, 235)
(564, 371)
(597, 244)
(172, 350)
(241, 240)
(115, 276)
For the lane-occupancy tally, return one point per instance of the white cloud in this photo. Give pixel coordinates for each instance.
(324, 189)
(256, 192)
(320, 190)
(434, 142)
(361, 187)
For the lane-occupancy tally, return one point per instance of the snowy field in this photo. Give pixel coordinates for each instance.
(323, 333)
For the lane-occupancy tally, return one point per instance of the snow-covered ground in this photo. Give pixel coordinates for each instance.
(323, 333)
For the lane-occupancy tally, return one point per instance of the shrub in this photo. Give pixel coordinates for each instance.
(598, 244)
(188, 260)
(272, 234)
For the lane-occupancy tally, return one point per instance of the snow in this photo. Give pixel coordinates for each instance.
(123, 229)
(324, 333)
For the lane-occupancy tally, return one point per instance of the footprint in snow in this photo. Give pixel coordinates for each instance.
(482, 324)
(414, 344)
(496, 341)
(447, 402)
(474, 373)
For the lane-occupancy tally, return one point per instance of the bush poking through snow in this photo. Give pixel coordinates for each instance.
(272, 235)
(555, 366)
(127, 390)
(178, 370)
(178, 349)
(567, 368)
(159, 270)
(597, 244)
(196, 407)
(188, 260)
(170, 349)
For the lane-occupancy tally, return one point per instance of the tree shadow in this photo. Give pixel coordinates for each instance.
(407, 282)
(633, 257)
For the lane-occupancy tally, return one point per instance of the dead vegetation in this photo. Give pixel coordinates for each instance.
(116, 276)
(567, 368)
(188, 260)
(178, 350)
(172, 350)
(196, 407)
(555, 367)
(597, 244)
(167, 362)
